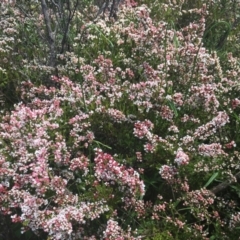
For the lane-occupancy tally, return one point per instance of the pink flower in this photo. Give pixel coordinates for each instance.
(167, 172)
(142, 129)
(110, 171)
(211, 150)
(235, 103)
(181, 158)
(80, 163)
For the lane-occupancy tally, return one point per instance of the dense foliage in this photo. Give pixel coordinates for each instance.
(120, 119)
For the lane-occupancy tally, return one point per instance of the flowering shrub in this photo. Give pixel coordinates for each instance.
(132, 138)
(48, 180)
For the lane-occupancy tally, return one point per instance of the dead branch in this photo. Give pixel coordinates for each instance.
(220, 187)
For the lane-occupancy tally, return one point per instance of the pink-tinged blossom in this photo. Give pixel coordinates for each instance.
(230, 145)
(166, 113)
(60, 225)
(210, 128)
(220, 120)
(113, 231)
(178, 99)
(30, 207)
(39, 177)
(139, 156)
(5, 168)
(78, 118)
(80, 163)
(199, 198)
(131, 3)
(235, 103)
(187, 118)
(181, 158)
(58, 184)
(2, 189)
(15, 218)
(173, 128)
(110, 171)
(235, 220)
(148, 147)
(185, 186)
(168, 172)
(211, 150)
(142, 129)
(187, 140)
(204, 95)
(80, 131)
(116, 115)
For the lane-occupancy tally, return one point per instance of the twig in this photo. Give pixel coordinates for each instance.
(220, 187)
(47, 20)
(51, 34)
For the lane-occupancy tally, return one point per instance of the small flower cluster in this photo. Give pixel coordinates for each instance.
(210, 128)
(181, 158)
(199, 198)
(114, 231)
(168, 172)
(142, 129)
(235, 220)
(211, 150)
(111, 172)
(116, 115)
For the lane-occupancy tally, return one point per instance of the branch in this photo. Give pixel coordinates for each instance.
(224, 185)
(58, 7)
(47, 20)
(50, 32)
(69, 19)
(111, 5)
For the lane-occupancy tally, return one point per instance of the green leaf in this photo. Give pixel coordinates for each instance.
(99, 143)
(173, 107)
(183, 209)
(93, 26)
(211, 179)
(175, 41)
